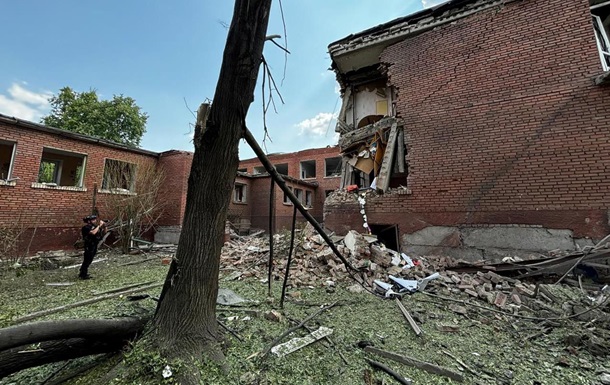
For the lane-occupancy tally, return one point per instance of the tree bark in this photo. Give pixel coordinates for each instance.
(185, 321)
(63, 340)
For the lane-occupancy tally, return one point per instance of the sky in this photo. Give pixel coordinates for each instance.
(167, 56)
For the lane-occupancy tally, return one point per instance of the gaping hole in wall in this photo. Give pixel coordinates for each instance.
(7, 156)
(239, 193)
(282, 168)
(308, 169)
(386, 234)
(119, 176)
(600, 13)
(61, 168)
(332, 167)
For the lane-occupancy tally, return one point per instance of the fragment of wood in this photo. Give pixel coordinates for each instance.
(79, 265)
(602, 243)
(428, 367)
(287, 273)
(266, 351)
(138, 262)
(400, 147)
(89, 301)
(233, 332)
(123, 288)
(360, 134)
(59, 284)
(271, 217)
(410, 319)
(326, 338)
(295, 201)
(380, 366)
(297, 343)
(544, 290)
(383, 179)
(466, 367)
(35, 332)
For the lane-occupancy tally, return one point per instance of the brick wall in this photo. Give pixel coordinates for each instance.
(293, 160)
(176, 166)
(55, 214)
(503, 122)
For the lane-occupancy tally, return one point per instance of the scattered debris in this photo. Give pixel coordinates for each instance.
(298, 343)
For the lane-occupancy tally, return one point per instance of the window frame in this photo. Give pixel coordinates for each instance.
(56, 171)
(333, 175)
(308, 198)
(244, 196)
(601, 35)
(287, 200)
(120, 190)
(11, 165)
(308, 167)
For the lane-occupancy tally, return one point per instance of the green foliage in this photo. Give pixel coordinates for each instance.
(119, 120)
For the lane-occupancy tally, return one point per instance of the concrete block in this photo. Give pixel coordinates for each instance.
(432, 236)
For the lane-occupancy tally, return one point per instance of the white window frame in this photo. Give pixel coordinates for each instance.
(601, 37)
(11, 166)
(308, 198)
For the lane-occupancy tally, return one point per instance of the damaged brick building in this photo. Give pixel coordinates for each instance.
(51, 178)
(481, 128)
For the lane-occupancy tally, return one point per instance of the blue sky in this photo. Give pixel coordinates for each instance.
(164, 54)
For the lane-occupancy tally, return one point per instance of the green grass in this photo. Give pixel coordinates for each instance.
(490, 344)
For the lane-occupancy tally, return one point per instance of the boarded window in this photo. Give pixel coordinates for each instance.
(7, 158)
(61, 168)
(119, 176)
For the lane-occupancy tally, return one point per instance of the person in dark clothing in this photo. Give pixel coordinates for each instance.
(92, 232)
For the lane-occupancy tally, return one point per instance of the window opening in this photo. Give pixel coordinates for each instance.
(119, 176)
(7, 158)
(308, 169)
(282, 168)
(332, 166)
(600, 13)
(259, 170)
(286, 199)
(308, 198)
(386, 234)
(61, 168)
(239, 193)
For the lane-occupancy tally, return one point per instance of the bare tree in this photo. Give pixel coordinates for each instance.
(133, 204)
(185, 325)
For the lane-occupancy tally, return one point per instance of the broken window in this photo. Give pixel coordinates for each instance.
(239, 193)
(600, 13)
(328, 192)
(282, 168)
(242, 169)
(61, 168)
(7, 158)
(119, 176)
(308, 169)
(332, 167)
(299, 194)
(286, 199)
(259, 170)
(308, 199)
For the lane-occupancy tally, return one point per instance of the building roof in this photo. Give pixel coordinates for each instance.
(72, 135)
(374, 40)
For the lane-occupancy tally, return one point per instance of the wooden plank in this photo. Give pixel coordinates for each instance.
(383, 179)
(410, 319)
(349, 138)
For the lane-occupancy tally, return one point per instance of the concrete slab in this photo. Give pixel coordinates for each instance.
(518, 238)
(431, 236)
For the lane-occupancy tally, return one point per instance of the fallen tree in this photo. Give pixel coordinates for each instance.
(63, 340)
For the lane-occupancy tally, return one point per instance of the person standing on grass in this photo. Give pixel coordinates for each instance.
(92, 232)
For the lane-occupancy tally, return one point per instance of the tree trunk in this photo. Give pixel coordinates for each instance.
(185, 321)
(63, 340)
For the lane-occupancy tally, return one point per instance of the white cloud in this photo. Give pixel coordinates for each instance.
(316, 126)
(23, 103)
(432, 3)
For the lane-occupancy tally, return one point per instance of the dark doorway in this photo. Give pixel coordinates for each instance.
(386, 234)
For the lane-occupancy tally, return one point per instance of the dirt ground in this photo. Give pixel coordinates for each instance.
(543, 342)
